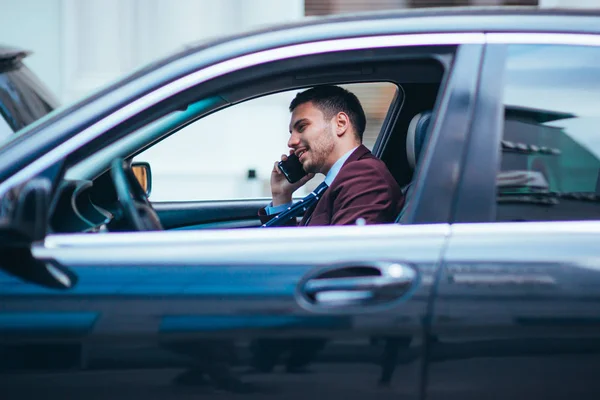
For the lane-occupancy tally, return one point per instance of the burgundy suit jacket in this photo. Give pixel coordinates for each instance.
(364, 188)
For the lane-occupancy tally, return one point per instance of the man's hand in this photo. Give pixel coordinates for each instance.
(281, 189)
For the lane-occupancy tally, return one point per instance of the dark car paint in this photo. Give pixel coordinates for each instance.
(476, 200)
(516, 318)
(188, 329)
(506, 332)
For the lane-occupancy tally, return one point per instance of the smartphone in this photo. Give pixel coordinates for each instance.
(292, 168)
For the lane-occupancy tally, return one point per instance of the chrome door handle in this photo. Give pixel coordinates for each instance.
(362, 284)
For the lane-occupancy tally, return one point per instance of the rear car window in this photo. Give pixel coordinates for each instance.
(550, 166)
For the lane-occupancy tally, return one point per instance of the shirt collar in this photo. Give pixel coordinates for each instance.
(335, 168)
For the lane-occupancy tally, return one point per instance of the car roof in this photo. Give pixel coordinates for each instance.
(452, 19)
(403, 21)
(406, 21)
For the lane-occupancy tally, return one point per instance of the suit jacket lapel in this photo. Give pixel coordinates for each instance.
(357, 154)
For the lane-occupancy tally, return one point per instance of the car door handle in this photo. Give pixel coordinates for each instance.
(362, 284)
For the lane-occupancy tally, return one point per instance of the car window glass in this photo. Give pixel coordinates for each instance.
(550, 167)
(229, 154)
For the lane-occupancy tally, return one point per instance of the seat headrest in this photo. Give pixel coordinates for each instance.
(416, 135)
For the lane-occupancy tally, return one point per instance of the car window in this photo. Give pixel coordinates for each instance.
(229, 154)
(550, 168)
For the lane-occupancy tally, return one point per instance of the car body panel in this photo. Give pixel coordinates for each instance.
(159, 304)
(516, 313)
(476, 199)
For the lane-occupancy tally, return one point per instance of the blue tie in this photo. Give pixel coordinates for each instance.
(298, 208)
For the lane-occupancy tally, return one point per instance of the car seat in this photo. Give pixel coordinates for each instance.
(416, 137)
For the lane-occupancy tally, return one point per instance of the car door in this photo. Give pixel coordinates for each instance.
(207, 312)
(312, 312)
(516, 313)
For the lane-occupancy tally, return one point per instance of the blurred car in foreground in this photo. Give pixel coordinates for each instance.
(23, 97)
(488, 285)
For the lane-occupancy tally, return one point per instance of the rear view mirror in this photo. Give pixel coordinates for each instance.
(143, 174)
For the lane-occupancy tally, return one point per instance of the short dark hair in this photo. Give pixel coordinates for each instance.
(332, 100)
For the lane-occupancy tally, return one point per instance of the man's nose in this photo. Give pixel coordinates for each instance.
(294, 141)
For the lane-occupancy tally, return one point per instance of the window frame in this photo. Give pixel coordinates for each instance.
(241, 86)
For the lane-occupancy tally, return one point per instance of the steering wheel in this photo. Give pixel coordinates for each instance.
(132, 199)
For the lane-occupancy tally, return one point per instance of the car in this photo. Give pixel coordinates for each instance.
(24, 98)
(488, 285)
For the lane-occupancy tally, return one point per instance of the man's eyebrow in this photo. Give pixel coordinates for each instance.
(298, 123)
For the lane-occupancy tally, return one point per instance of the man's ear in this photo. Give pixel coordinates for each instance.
(342, 124)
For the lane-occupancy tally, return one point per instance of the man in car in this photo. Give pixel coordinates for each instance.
(326, 128)
(326, 131)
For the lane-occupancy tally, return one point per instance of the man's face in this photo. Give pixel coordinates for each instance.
(312, 138)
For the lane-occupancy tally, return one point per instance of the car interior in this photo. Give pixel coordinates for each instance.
(99, 191)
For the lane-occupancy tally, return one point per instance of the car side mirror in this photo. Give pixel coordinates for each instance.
(143, 174)
(27, 219)
(26, 222)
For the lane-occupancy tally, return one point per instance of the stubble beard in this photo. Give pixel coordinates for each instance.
(320, 152)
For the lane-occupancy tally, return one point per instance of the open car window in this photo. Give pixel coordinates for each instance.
(229, 154)
(211, 153)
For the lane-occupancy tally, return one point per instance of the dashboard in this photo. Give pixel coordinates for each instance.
(74, 209)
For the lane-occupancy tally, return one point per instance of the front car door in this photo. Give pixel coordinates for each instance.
(209, 312)
(516, 314)
(315, 312)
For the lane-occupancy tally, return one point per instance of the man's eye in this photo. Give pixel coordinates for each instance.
(301, 128)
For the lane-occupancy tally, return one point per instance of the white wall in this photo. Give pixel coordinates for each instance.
(104, 39)
(81, 45)
(39, 31)
(569, 3)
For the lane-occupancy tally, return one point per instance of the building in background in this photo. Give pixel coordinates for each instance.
(81, 45)
(327, 7)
